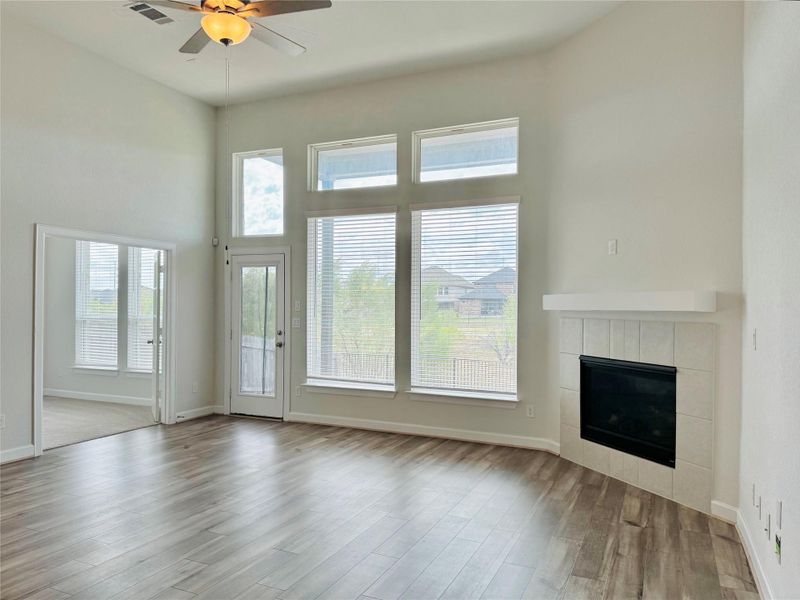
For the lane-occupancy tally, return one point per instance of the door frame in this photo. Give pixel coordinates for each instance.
(287, 319)
(42, 233)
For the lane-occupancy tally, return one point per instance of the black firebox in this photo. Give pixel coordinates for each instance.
(629, 406)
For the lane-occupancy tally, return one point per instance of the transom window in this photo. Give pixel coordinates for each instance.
(351, 289)
(258, 193)
(466, 340)
(466, 151)
(361, 163)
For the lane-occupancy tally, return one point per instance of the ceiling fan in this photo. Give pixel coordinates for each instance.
(228, 21)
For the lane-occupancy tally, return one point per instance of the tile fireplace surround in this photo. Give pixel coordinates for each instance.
(688, 346)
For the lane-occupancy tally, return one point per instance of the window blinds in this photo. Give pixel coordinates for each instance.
(464, 299)
(96, 287)
(141, 296)
(351, 290)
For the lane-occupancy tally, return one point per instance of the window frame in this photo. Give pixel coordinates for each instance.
(332, 385)
(237, 213)
(83, 288)
(418, 136)
(315, 149)
(452, 395)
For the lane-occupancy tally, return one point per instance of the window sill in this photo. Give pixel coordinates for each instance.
(349, 388)
(466, 398)
(88, 370)
(138, 374)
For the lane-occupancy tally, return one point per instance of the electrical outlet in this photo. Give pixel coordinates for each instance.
(755, 339)
(297, 306)
(779, 515)
(2, 421)
(529, 412)
(778, 547)
(612, 247)
(298, 391)
(295, 322)
(195, 387)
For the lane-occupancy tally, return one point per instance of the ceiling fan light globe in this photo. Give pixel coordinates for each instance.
(225, 28)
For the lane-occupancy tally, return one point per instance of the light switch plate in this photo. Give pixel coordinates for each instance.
(612, 247)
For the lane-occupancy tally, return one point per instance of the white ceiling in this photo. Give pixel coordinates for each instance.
(352, 41)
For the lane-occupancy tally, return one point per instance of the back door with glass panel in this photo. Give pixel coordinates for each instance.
(258, 335)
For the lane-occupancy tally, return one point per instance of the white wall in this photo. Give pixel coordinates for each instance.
(645, 142)
(402, 105)
(644, 146)
(771, 373)
(61, 378)
(87, 144)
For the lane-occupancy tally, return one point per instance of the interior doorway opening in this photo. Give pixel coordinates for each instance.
(102, 336)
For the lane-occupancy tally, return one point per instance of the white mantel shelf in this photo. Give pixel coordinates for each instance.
(675, 301)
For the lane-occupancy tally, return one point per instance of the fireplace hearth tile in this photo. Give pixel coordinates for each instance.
(570, 407)
(693, 440)
(571, 444)
(571, 335)
(655, 478)
(695, 393)
(632, 340)
(694, 345)
(616, 464)
(596, 337)
(657, 342)
(631, 469)
(569, 372)
(617, 349)
(692, 485)
(596, 457)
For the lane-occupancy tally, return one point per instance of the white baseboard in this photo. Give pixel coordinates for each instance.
(724, 511)
(219, 409)
(501, 439)
(115, 398)
(194, 413)
(752, 556)
(14, 454)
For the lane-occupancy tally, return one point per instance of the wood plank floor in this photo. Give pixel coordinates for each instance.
(222, 508)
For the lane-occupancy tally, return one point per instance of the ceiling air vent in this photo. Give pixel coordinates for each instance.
(151, 13)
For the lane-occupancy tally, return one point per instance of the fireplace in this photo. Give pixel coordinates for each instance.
(629, 406)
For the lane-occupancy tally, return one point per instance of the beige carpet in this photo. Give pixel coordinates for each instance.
(68, 421)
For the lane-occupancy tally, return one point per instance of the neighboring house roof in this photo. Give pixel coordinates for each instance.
(441, 276)
(504, 275)
(484, 293)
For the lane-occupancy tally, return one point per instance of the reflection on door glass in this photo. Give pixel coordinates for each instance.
(257, 342)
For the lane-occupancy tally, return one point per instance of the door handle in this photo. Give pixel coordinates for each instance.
(279, 344)
(149, 341)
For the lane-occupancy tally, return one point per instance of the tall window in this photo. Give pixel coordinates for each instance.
(96, 289)
(258, 193)
(465, 339)
(351, 287)
(477, 150)
(141, 295)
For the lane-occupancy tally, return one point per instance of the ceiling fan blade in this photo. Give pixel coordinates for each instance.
(274, 39)
(195, 43)
(174, 4)
(267, 8)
